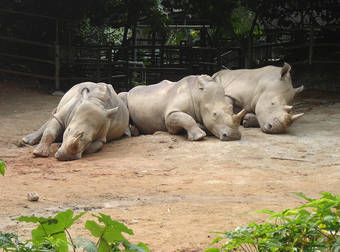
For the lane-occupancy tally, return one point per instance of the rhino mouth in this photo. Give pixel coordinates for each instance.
(227, 135)
(230, 137)
(276, 127)
(61, 156)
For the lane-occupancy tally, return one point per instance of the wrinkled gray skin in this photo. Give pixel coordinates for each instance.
(87, 116)
(265, 93)
(184, 105)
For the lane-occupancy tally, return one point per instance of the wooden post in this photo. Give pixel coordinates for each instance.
(311, 43)
(57, 57)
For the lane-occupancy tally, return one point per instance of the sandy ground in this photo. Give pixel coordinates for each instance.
(170, 191)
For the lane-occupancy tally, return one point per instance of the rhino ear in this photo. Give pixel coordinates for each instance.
(84, 93)
(201, 83)
(285, 70)
(299, 89)
(111, 112)
(217, 79)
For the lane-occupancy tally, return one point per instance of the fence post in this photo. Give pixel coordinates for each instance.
(311, 43)
(57, 57)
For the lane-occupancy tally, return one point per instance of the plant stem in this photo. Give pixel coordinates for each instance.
(73, 246)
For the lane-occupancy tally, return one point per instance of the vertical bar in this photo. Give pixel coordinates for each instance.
(57, 57)
(110, 70)
(311, 42)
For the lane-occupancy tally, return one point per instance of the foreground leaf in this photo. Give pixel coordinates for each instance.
(2, 167)
(85, 244)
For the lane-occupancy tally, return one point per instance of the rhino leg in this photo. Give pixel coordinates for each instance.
(250, 120)
(95, 146)
(35, 137)
(177, 121)
(134, 131)
(52, 131)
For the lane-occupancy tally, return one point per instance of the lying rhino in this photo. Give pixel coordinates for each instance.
(265, 91)
(186, 104)
(87, 116)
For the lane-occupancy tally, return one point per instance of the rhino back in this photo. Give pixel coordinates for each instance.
(245, 85)
(147, 106)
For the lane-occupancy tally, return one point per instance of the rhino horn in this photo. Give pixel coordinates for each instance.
(238, 117)
(111, 112)
(287, 108)
(295, 117)
(299, 89)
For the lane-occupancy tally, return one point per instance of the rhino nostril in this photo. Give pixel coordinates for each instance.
(269, 126)
(225, 135)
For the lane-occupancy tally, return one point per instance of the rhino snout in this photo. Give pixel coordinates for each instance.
(268, 127)
(230, 137)
(62, 156)
(276, 127)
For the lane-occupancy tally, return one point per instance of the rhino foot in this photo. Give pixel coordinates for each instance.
(250, 120)
(196, 134)
(41, 151)
(31, 139)
(134, 131)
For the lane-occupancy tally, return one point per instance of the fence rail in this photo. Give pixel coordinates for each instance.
(142, 63)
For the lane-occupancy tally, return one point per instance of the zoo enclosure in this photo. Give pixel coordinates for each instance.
(10, 51)
(125, 66)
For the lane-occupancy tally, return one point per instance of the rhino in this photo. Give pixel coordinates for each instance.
(265, 93)
(195, 104)
(87, 116)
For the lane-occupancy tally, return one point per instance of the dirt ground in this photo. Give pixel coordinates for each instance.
(170, 191)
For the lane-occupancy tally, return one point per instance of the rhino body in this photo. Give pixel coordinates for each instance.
(87, 116)
(193, 104)
(265, 93)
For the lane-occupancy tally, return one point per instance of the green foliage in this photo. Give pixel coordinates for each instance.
(10, 242)
(52, 235)
(2, 167)
(242, 19)
(51, 232)
(110, 235)
(314, 226)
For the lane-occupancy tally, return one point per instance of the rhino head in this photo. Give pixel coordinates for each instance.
(272, 107)
(216, 110)
(88, 123)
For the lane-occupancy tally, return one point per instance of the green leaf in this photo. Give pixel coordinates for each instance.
(216, 240)
(143, 245)
(33, 219)
(120, 227)
(104, 246)
(95, 229)
(2, 167)
(6, 240)
(85, 244)
(133, 248)
(52, 227)
(266, 211)
(301, 195)
(66, 219)
(212, 250)
(112, 232)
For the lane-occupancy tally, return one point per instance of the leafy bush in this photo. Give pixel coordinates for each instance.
(313, 226)
(2, 167)
(52, 235)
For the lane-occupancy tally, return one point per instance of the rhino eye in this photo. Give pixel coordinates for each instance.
(273, 103)
(214, 114)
